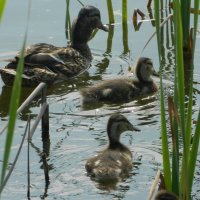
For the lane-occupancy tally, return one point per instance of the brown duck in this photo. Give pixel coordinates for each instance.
(50, 64)
(115, 162)
(123, 89)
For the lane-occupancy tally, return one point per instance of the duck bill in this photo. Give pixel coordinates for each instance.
(156, 74)
(133, 128)
(102, 26)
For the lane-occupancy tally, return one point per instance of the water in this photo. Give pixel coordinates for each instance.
(79, 132)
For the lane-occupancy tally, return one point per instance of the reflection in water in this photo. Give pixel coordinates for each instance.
(5, 97)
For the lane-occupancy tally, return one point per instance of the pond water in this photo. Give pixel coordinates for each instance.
(77, 132)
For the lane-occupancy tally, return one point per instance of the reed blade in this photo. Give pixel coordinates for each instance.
(165, 148)
(14, 102)
(110, 12)
(2, 7)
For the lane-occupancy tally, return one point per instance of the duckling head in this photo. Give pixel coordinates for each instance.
(118, 124)
(88, 19)
(144, 69)
(165, 195)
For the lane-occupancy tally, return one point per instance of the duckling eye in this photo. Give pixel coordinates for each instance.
(149, 63)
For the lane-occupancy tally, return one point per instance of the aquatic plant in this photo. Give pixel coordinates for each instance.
(110, 12)
(178, 176)
(14, 103)
(2, 6)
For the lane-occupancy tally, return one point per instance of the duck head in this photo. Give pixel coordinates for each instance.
(118, 124)
(88, 19)
(144, 69)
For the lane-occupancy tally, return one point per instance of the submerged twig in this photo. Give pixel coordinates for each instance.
(135, 19)
(15, 160)
(154, 185)
(149, 3)
(28, 161)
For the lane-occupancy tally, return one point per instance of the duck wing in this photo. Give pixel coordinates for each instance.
(67, 62)
(38, 48)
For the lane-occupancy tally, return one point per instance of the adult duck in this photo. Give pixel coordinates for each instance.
(123, 89)
(47, 63)
(115, 162)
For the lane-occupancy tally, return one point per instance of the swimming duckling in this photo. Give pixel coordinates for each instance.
(50, 64)
(165, 195)
(123, 89)
(115, 162)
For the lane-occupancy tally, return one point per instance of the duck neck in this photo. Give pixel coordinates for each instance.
(114, 137)
(81, 32)
(143, 75)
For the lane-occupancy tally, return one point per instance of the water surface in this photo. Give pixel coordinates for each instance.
(77, 132)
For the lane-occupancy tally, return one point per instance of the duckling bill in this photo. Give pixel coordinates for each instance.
(48, 63)
(123, 89)
(115, 162)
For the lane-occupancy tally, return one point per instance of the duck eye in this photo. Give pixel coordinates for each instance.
(94, 14)
(149, 63)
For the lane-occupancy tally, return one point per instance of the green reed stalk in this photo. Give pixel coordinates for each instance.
(179, 79)
(67, 21)
(2, 6)
(14, 102)
(124, 11)
(110, 39)
(185, 14)
(165, 151)
(193, 154)
(110, 12)
(175, 149)
(125, 37)
(195, 144)
(180, 122)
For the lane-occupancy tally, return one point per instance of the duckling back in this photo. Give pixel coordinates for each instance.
(115, 162)
(117, 90)
(110, 165)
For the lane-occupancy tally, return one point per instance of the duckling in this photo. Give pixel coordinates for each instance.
(123, 89)
(115, 162)
(48, 63)
(165, 195)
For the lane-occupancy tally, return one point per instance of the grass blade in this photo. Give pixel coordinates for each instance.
(185, 13)
(14, 102)
(196, 15)
(16, 90)
(195, 144)
(165, 151)
(193, 155)
(2, 6)
(174, 119)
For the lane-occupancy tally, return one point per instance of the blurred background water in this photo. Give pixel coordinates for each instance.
(78, 132)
